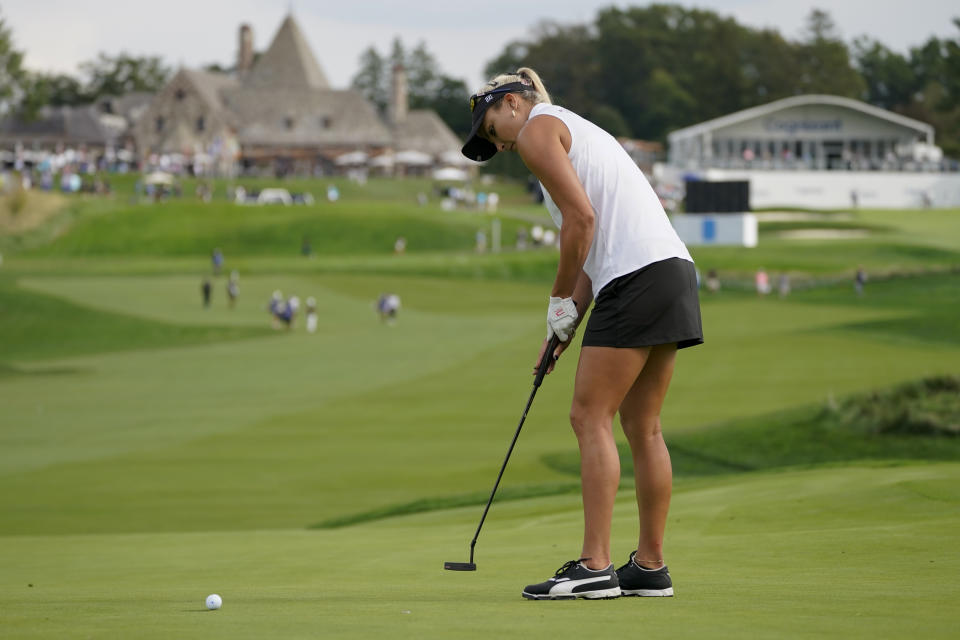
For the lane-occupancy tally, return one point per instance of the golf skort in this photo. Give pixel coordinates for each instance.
(657, 304)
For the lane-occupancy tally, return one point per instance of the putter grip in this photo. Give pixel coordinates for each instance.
(545, 361)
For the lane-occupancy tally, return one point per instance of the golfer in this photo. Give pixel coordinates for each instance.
(617, 247)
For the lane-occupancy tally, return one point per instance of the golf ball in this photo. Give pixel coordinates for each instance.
(214, 601)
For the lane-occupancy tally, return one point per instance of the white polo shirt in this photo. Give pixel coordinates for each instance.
(631, 229)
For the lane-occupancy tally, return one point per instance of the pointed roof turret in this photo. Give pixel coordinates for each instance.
(288, 63)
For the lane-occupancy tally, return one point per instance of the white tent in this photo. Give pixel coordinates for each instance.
(352, 158)
(159, 177)
(449, 174)
(413, 158)
(384, 160)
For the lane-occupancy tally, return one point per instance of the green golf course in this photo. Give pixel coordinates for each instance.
(154, 451)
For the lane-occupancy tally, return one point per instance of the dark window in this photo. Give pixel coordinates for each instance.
(160, 123)
(288, 122)
(180, 94)
(326, 122)
(200, 124)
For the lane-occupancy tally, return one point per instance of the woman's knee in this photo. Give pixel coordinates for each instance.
(641, 427)
(588, 421)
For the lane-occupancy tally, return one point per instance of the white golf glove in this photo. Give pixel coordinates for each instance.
(561, 318)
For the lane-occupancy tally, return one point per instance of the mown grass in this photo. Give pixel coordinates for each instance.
(359, 227)
(139, 474)
(912, 422)
(37, 327)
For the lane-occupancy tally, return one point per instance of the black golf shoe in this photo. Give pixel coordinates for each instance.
(573, 580)
(637, 581)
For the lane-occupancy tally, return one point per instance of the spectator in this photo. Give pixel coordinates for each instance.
(783, 285)
(388, 304)
(233, 288)
(206, 289)
(216, 258)
(311, 311)
(762, 281)
(481, 241)
(521, 239)
(713, 282)
(860, 280)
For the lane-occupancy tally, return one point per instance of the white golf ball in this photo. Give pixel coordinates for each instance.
(214, 601)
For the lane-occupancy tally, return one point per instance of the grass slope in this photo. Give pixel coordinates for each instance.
(292, 430)
(37, 326)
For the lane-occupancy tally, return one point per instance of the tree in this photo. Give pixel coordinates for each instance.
(610, 120)
(427, 86)
(423, 77)
(56, 90)
(824, 60)
(11, 69)
(372, 80)
(121, 74)
(890, 81)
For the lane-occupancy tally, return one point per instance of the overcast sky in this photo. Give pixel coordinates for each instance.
(56, 35)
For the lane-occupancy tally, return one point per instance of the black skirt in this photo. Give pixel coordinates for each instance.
(657, 304)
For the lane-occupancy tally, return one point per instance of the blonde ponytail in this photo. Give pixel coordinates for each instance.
(536, 94)
(528, 74)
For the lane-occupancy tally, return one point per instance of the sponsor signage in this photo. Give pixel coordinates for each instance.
(791, 127)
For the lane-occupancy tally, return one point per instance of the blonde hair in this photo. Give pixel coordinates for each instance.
(536, 94)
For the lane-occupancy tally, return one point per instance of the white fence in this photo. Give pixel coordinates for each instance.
(837, 189)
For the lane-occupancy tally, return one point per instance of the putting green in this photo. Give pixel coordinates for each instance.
(859, 552)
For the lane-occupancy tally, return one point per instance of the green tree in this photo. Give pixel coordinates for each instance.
(890, 81)
(372, 80)
(936, 67)
(123, 73)
(769, 65)
(450, 103)
(610, 120)
(423, 77)
(427, 86)
(57, 90)
(11, 69)
(825, 65)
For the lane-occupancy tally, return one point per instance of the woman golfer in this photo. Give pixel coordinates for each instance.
(617, 247)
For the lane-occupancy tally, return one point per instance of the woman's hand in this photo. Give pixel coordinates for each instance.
(556, 354)
(562, 318)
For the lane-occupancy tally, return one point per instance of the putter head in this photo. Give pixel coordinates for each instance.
(459, 566)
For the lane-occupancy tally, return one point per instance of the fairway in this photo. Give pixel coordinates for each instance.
(153, 451)
(774, 555)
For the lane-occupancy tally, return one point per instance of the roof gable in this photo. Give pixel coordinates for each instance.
(801, 101)
(288, 63)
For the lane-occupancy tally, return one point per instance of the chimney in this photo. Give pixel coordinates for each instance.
(245, 50)
(399, 103)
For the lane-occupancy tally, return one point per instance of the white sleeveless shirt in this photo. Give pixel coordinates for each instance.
(631, 230)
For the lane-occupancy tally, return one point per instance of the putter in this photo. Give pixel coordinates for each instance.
(541, 372)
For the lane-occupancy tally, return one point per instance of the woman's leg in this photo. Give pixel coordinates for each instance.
(604, 376)
(640, 417)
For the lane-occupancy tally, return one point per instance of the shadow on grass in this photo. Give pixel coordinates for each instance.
(913, 421)
(449, 502)
(12, 371)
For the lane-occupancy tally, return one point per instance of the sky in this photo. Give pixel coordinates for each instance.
(56, 35)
